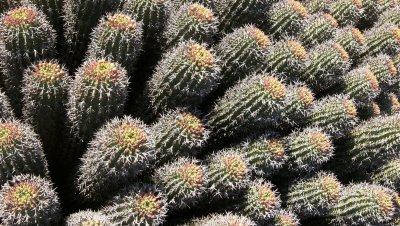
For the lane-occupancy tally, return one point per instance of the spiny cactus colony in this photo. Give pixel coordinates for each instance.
(199, 112)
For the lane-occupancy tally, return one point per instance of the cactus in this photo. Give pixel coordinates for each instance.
(285, 218)
(388, 175)
(184, 77)
(242, 52)
(261, 201)
(327, 62)
(6, 112)
(384, 69)
(98, 93)
(346, 11)
(382, 39)
(317, 29)
(227, 219)
(87, 218)
(119, 152)
(314, 196)
(364, 204)
(117, 37)
(336, 115)
(29, 200)
(287, 17)
(352, 40)
(140, 204)
(370, 110)
(26, 36)
(316, 6)
(52, 9)
(192, 21)
(266, 155)
(372, 9)
(308, 150)
(228, 172)
(184, 182)
(178, 133)
(20, 151)
(253, 103)
(391, 16)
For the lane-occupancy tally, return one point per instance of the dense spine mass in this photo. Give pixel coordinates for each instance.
(87, 218)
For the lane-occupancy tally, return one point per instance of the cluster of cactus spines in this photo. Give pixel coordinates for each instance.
(6, 111)
(192, 21)
(29, 200)
(285, 218)
(26, 36)
(254, 102)
(87, 218)
(119, 152)
(314, 196)
(384, 69)
(317, 29)
(335, 115)
(178, 133)
(391, 15)
(140, 204)
(226, 219)
(287, 17)
(184, 181)
(326, 63)
(308, 150)
(261, 201)
(375, 141)
(184, 77)
(266, 155)
(98, 93)
(390, 103)
(382, 39)
(352, 40)
(388, 175)
(20, 151)
(364, 204)
(346, 11)
(228, 172)
(242, 52)
(118, 37)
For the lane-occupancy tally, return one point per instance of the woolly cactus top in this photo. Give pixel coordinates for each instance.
(385, 203)
(21, 17)
(396, 33)
(331, 187)
(297, 49)
(284, 218)
(201, 13)
(332, 21)
(275, 88)
(146, 205)
(357, 35)
(276, 147)
(262, 40)
(350, 108)
(305, 95)
(200, 56)
(358, 3)
(130, 137)
(394, 102)
(263, 194)
(121, 22)
(373, 81)
(48, 72)
(101, 71)
(321, 142)
(235, 167)
(91, 223)
(191, 175)
(342, 52)
(299, 8)
(9, 132)
(390, 65)
(191, 125)
(22, 197)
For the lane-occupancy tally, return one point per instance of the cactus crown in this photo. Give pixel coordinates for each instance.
(146, 205)
(394, 101)
(358, 36)
(305, 96)
(396, 33)
(275, 88)
(191, 175)
(22, 196)
(376, 109)
(342, 52)
(130, 137)
(373, 81)
(350, 108)
(385, 203)
(332, 21)
(201, 13)
(200, 56)
(391, 68)
(121, 22)
(191, 125)
(261, 39)
(265, 196)
(331, 187)
(358, 3)
(299, 8)
(9, 132)
(321, 142)
(276, 147)
(91, 223)
(101, 71)
(286, 219)
(21, 17)
(235, 167)
(48, 72)
(298, 50)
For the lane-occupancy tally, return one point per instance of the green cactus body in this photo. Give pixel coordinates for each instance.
(117, 37)
(20, 151)
(326, 63)
(227, 219)
(255, 102)
(346, 11)
(388, 4)
(352, 40)
(285, 218)
(335, 115)
(97, 94)
(178, 133)
(391, 15)
(184, 77)
(192, 21)
(119, 152)
(317, 29)
(316, 6)
(287, 17)
(388, 175)
(314, 197)
(228, 172)
(184, 182)
(372, 9)
(242, 52)
(384, 69)
(265, 155)
(87, 218)
(308, 150)
(29, 200)
(364, 204)
(140, 204)
(6, 112)
(383, 39)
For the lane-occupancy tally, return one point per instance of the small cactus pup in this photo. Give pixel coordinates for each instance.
(383, 39)
(352, 40)
(226, 219)
(26, 37)
(375, 141)
(184, 182)
(242, 52)
(87, 218)
(326, 63)
(192, 21)
(183, 78)
(261, 201)
(346, 12)
(20, 151)
(285, 218)
(118, 153)
(287, 17)
(266, 155)
(336, 115)
(45, 89)
(384, 69)
(388, 175)
(252, 104)
(139, 204)
(178, 133)
(29, 200)
(364, 204)
(98, 93)
(228, 172)
(118, 37)
(308, 150)
(6, 111)
(315, 196)
(317, 29)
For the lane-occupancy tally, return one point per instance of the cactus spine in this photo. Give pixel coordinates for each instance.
(382, 39)
(352, 40)
(384, 69)
(87, 218)
(317, 29)
(388, 175)
(346, 11)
